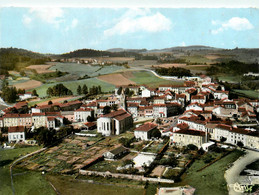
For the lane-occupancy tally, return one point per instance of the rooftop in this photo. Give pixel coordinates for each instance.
(146, 127)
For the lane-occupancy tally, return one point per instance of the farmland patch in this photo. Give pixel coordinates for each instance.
(116, 79)
(40, 69)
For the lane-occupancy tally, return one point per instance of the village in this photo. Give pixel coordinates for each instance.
(137, 133)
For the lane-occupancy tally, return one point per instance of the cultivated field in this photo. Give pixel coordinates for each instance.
(40, 69)
(86, 69)
(54, 100)
(31, 84)
(170, 65)
(149, 79)
(116, 79)
(72, 154)
(72, 85)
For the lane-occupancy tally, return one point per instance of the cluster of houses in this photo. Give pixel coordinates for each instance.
(202, 109)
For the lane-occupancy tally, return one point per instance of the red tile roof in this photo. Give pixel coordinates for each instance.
(146, 127)
(16, 129)
(90, 124)
(190, 132)
(83, 109)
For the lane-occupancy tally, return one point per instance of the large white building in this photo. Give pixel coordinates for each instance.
(81, 114)
(144, 132)
(234, 135)
(114, 123)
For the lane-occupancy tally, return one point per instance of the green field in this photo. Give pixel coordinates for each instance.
(24, 182)
(231, 79)
(72, 85)
(84, 69)
(211, 179)
(248, 93)
(67, 185)
(197, 59)
(148, 78)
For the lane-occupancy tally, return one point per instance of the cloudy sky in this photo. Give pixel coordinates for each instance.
(59, 30)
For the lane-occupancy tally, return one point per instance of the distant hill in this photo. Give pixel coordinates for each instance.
(184, 48)
(96, 53)
(127, 50)
(17, 59)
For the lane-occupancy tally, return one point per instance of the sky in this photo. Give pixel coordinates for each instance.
(64, 29)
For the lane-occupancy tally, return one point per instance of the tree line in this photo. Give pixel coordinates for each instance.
(173, 71)
(232, 67)
(13, 58)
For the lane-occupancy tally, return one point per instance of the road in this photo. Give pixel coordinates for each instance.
(232, 174)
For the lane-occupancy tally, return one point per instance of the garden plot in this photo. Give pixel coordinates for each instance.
(155, 147)
(68, 156)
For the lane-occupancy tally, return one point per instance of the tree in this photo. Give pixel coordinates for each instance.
(44, 136)
(21, 91)
(240, 144)
(222, 139)
(119, 90)
(50, 91)
(126, 92)
(50, 102)
(191, 147)
(90, 119)
(85, 89)
(9, 94)
(114, 107)
(156, 133)
(34, 92)
(106, 110)
(79, 90)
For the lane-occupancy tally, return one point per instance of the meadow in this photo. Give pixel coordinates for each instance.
(149, 79)
(84, 69)
(24, 182)
(72, 85)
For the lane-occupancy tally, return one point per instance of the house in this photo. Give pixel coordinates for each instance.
(69, 115)
(221, 94)
(81, 114)
(133, 109)
(233, 135)
(146, 93)
(144, 132)
(11, 120)
(25, 96)
(184, 137)
(89, 126)
(39, 120)
(194, 106)
(16, 134)
(114, 123)
(115, 153)
(200, 99)
(51, 122)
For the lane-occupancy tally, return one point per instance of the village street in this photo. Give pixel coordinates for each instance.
(232, 174)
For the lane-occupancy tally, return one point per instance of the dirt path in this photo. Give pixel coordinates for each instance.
(232, 174)
(16, 161)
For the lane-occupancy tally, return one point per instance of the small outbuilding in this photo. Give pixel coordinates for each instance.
(115, 153)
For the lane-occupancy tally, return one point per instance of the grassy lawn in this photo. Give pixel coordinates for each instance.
(68, 185)
(196, 59)
(148, 78)
(24, 184)
(211, 179)
(229, 78)
(72, 85)
(248, 93)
